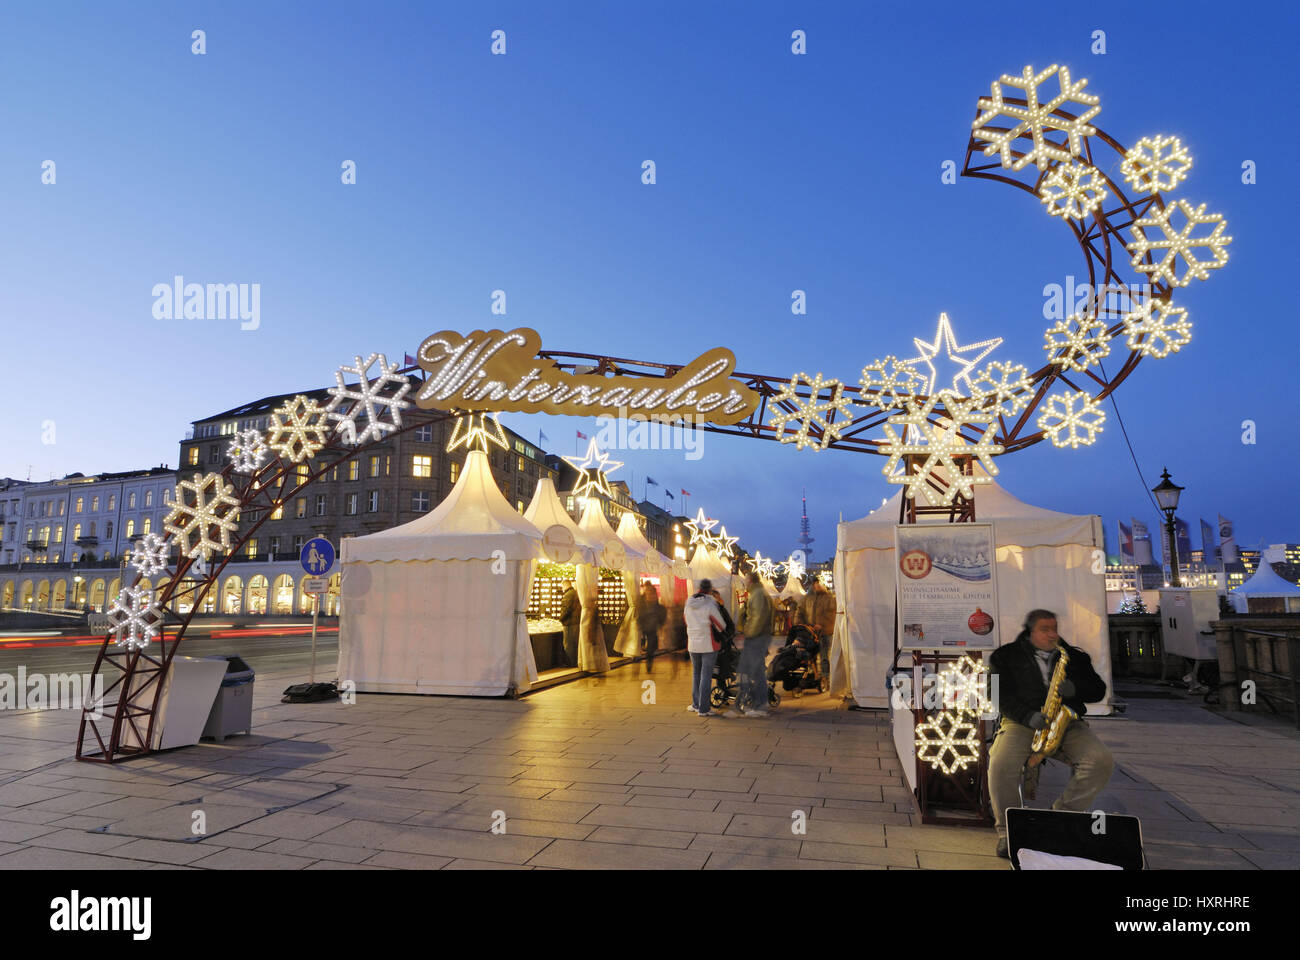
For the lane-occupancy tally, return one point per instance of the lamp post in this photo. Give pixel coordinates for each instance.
(1167, 496)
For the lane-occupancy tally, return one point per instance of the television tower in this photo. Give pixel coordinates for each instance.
(805, 538)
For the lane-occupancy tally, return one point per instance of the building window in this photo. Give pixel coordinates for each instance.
(148, 498)
(519, 505)
(58, 534)
(352, 503)
(304, 472)
(47, 508)
(148, 521)
(301, 508)
(320, 504)
(520, 465)
(130, 500)
(455, 471)
(278, 513)
(194, 457)
(108, 529)
(275, 545)
(251, 549)
(214, 454)
(354, 469)
(130, 529)
(112, 501)
(420, 501)
(372, 501)
(297, 544)
(421, 466)
(424, 434)
(76, 532)
(374, 465)
(94, 504)
(81, 502)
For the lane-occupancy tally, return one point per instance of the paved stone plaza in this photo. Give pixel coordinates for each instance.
(588, 776)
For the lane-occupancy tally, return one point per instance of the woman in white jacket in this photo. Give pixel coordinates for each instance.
(702, 617)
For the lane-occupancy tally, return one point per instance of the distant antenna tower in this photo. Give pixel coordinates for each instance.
(805, 538)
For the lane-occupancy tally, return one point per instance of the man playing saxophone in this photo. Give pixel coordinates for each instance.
(1028, 678)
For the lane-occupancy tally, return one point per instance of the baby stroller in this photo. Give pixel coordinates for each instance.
(726, 682)
(795, 665)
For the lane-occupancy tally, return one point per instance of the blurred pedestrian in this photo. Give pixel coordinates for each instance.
(756, 627)
(571, 619)
(650, 616)
(702, 618)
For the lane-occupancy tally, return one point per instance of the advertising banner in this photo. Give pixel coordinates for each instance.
(947, 594)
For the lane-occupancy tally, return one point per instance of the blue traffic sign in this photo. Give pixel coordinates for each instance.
(317, 556)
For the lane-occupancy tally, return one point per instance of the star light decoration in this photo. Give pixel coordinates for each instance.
(593, 479)
(369, 400)
(811, 412)
(944, 335)
(699, 529)
(1036, 119)
(1077, 342)
(890, 383)
(948, 741)
(963, 687)
(473, 431)
(794, 567)
(1157, 328)
(940, 445)
(1072, 190)
(763, 565)
(1156, 164)
(297, 430)
(1178, 242)
(135, 618)
(725, 545)
(149, 555)
(211, 506)
(1071, 419)
(247, 451)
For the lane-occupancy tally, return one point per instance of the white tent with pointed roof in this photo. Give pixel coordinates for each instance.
(618, 555)
(1265, 584)
(545, 512)
(437, 605)
(653, 563)
(707, 565)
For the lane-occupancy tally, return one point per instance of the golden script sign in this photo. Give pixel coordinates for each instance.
(496, 370)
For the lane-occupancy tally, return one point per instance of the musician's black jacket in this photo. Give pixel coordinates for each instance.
(1019, 684)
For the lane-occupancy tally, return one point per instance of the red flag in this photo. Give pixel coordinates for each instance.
(686, 493)
(408, 360)
(581, 435)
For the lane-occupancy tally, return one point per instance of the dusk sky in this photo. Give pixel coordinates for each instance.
(523, 173)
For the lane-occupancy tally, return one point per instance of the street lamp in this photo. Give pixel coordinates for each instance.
(1167, 497)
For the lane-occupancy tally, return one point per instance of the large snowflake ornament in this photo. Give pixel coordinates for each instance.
(1036, 118)
(204, 515)
(1071, 419)
(368, 400)
(1004, 387)
(940, 444)
(1077, 342)
(135, 618)
(890, 383)
(1178, 242)
(963, 686)
(1072, 190)
(948, 741)
(1156, 164)
(297, 430)
(811, 412)
(1157, 328)
(149, 555)
(247, 451)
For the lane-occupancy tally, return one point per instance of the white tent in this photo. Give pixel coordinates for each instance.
(436, 605)
(1265, 584)
(1044, 559)
(653, 563)
(793, 590)
(616, 554)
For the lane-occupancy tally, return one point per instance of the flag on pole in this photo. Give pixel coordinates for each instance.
(541, 437)
(669, 495)
(1125, 543)
(581, 435)
(408, 360)
(1227, 541)
(652, 481)
(1208, 547)
(686, 493)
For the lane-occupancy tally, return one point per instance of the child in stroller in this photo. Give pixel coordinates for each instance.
(795, 665)
(726, 682)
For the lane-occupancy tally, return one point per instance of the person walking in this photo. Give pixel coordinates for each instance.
(818, 610)
(702, 618)
(756, 627)
(650, 616)
(571, 618)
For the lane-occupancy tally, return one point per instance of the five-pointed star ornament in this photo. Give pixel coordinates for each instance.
(473, 430)
(593, 480)
(944, 339)
(699, 528)
(725, 545)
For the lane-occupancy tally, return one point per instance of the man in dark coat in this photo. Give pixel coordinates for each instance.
(1020, 672)
(571, 617)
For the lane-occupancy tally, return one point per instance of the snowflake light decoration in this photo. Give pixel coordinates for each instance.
(135, 618)
(1157, 328)
(1178, 243)
(592, 472)
(474, 432)
(247, 451)
(211, 506)
(812, 412)
(1156, 164)
(890, 383)
(1036, 119)
(940, 445)
(1072, 190)
(1071, 419)
(149, 555)
(963, 687)
(297, 430)
(368, 400)
(948, 741)
(1005, 387)
(1077, 342)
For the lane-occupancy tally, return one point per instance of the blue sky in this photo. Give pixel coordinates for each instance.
(521, 172)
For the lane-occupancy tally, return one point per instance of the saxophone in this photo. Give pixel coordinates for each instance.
(1048, 740)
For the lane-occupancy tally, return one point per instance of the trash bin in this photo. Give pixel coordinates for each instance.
(232, 712)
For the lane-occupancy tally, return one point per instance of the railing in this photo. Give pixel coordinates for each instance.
(1136, 646)
(1259, 662)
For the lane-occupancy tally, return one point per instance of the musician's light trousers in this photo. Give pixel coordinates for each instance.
(1092, 762)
